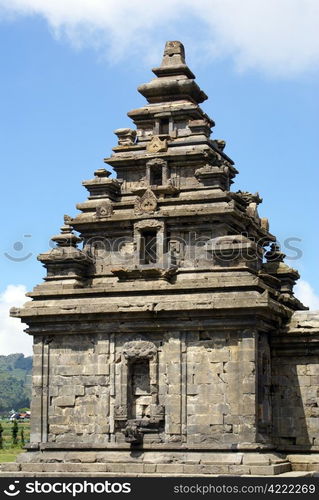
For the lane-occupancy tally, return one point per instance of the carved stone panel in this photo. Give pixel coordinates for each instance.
(157, 145)
(146, 203)
(138, 349)
(104, 210)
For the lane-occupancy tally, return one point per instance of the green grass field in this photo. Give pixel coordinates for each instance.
(9, 451)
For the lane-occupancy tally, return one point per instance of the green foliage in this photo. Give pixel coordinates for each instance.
(15, 382)
(14, 432)
(22, 437)
(14, 362)
(1, 438)
(10, 452)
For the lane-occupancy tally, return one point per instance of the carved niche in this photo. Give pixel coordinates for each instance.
(156, 227)
(159, 165)
(137, 410)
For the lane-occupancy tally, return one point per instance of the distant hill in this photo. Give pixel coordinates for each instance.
(15, 382)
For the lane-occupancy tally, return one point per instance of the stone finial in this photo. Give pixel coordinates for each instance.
(174, 54)
(275, 254)
(67, 219)
(102, 172)
(66, 238)
(126, 136)
(221, 144)
(175, 79)
(249, 198)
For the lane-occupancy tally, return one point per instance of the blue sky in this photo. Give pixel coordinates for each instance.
(67, 82)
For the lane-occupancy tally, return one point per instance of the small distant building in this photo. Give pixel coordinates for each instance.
(25, 415)
(14, 416)
(171, 341)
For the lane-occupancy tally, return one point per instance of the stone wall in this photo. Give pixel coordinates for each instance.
(200, 387)
(221, 389)
(295, 383)
(296, 401)
(73, 374)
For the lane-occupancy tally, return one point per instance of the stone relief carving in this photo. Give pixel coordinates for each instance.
(146, 203)
(156, 161)
(149, 224)
(139, 349)
(157, 145)
(133, 433)
(104, 210)
(120, 412)
(127, 249)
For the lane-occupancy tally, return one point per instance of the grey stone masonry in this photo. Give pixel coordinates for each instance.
(167, 337)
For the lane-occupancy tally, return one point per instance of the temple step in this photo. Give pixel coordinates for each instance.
(140, 468)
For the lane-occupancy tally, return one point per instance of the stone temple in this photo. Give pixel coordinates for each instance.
(167, 338)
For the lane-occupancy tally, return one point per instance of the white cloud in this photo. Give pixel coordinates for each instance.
(305, 293)
(12, 338)
(279, 37)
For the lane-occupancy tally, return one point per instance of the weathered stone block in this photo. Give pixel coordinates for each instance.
(170, 468)
(9, 467)
(256, 459)
(134, 467)
(64, 401)
(71, 390)
(149, 468)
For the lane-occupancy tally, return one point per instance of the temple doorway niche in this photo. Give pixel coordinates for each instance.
(148, 247)
(164, 126)
(140, 397)
(156, 175)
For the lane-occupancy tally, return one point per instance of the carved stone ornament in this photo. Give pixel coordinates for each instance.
(146, 203)
(137, 349)
(221, 144)
(104, 210)
(133, 433)
(157, 145)
(158, 411)
(126, 136)
(120, 411)
(264, 223)
(67, 219)
(249, 198)
(157, 161)
(206, 170)
(210, 170)
(149, 224)
(252, 210)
